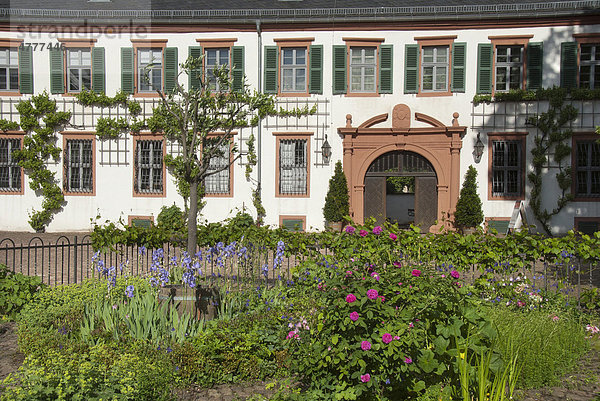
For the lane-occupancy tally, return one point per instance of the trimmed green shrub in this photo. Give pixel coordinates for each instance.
(469, 211)
(337, 199)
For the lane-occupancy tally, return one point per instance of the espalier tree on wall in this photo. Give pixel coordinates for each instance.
(40, 121)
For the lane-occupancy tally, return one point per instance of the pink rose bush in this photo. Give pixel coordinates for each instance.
(365, 345)
(354, 316)
(350, 298)
(372, 294)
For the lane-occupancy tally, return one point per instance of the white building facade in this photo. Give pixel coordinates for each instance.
(393, 86)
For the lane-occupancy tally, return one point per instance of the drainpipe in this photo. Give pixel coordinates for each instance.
(259, 130)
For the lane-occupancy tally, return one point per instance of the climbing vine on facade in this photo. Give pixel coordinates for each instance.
(553, 137)
(40, 121)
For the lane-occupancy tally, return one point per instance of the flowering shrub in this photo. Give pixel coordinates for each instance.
(387, 335)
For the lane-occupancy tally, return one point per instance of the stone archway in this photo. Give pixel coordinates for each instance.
(438, 143)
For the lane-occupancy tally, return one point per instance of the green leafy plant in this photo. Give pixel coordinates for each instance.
(469, 211)
(171, 218)
(16, 290)
(337, 199)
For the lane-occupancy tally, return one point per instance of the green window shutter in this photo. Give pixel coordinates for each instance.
(315, 55)
(459, 61)
(98, 74)
(386, 55)
(195, 77)
(411, 66)
(127, 75)
(499, 225)
(26, 70)
(171, 70)
(57, 72)
(271, 67)
(339, 69)
(484, 68)
(535, 61)
(237, 62)
(568, 65)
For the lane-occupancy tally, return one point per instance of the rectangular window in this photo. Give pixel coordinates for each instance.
(79, 166)
(215, 59)
(10, 171)
(293, 69)
(150, 69)
(434, 66)
(9, 69)
(218, 182)
(509, 67)
(507, 168)
(587, 169)
(589, 66)
(293, 167)
(363, 68)
(79, 69)
(148, 167)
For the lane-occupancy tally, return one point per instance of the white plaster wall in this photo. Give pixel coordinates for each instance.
(114, 199)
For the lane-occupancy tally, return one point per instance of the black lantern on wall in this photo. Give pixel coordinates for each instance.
(478, 152)
(326, 151)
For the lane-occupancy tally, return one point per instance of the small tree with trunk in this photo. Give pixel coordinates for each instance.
(203, 120)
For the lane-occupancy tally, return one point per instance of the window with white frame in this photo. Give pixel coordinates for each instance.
(293, 167)
(79, 69)
(363, 69)
(507, 169)
(509, 67)
(148, 167)
(434, 65)
(217, 183)
(149, 70)
(9, 69)
(587, 169)
(293, 69)
(10, 171)
(79, 166)
(589, 66)
(215, 59)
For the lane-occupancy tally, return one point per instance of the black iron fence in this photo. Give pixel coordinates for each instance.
(71, 260)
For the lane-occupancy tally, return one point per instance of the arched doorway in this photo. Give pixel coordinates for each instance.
(401, 187)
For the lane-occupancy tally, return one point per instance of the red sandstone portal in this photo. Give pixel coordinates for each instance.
(439, 144)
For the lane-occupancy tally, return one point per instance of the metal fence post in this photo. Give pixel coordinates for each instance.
(75, 265)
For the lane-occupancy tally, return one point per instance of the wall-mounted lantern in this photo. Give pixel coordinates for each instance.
(478, 149)
(326, 151)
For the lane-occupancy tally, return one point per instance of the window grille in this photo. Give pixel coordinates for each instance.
(148, 167)
(9, 69)
(149, 70)
(79, 68)
(509, 67)
(10, 171)
(293, 172)
(506, 168)
(403, 162)
(79, 165)
(214, 59)
(589, 66)
(587, 177)
(435, 68)
(293, 69)
(218, 183)
(363, 65)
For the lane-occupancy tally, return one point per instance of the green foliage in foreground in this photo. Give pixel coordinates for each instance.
(16, 290)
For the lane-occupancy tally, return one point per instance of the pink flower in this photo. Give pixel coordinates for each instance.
(520, 304)
(396, 337)
(377, 230)
(375, 276)
(372, 294)
(350, 230)
(365, 378)
(292, 334)
(350, 298)
(365, 345)
(381, 298)
(411, 325)
(455, 274)
(416, 272)
(443, 276)
(363, 233)
(399, 283)
(354, 316)
(393, 237)
(397, 264)
(386, 338)
(555, 318)
(407, 360)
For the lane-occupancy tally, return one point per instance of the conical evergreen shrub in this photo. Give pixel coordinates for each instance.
(337, 199)
(469, 211)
